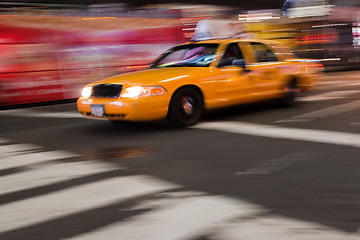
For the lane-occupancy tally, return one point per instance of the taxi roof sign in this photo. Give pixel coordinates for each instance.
(216, 28)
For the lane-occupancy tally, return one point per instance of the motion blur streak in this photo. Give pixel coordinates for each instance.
(49, 51)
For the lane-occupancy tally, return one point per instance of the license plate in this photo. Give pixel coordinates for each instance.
(97, 110)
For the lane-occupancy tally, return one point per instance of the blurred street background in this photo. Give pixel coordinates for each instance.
(256, 171)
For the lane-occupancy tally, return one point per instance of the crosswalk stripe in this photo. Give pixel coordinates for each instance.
(61, 114)
(335, 85)
(17, 148)
(328, 96)
(77, 199)
(278, 228)
(33, 158)
(326, 112)
(43, 114)
(50, 174)
(184, 219)
(271, 131)
(329, 82)
(177, 218)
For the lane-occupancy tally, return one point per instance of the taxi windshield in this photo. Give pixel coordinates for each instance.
(189, 55)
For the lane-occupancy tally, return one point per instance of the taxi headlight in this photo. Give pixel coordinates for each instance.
(141, 91)
(86, 92)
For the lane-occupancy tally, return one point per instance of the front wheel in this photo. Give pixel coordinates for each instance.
(186, 107)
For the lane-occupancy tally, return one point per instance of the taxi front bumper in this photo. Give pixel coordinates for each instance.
(125, 109)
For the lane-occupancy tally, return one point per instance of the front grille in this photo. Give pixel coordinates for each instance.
(106, 91)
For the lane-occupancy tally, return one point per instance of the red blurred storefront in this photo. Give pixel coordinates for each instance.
(46, 62)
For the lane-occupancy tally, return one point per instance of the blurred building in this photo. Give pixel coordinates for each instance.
(133, 4)
(346, 2)
(51, 48)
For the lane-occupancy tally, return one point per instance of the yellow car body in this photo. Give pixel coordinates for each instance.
(150, 94)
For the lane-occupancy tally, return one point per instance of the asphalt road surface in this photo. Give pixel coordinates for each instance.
(256, 171)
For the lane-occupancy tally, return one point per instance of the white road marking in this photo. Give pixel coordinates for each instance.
(326, 112)
(328, 96)
(311, 135)
(278, 228)
(273, 165)
(77, 199)
(165, 199)
(33, 158)
(42, 114)
(294, 120)
(61, 115)
(340, 75)
(50, 174)
(2, 141)
(14, 149)
(329, 82)
(332, 84)
(174, 216)
(184, 219)
(215, 217)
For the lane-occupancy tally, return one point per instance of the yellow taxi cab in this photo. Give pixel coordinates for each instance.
(194, 77)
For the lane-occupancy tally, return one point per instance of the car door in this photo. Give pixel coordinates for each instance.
(265, 70)
(230, 84)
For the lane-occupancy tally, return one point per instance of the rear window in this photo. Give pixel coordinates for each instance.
(263, 53)
(284, 51)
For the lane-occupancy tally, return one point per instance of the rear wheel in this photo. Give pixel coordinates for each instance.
(186, 107)
(290, 91)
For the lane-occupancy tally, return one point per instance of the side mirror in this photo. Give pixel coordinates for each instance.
(239, 63)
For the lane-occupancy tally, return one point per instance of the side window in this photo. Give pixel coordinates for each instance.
(263, 53)
(231, 53)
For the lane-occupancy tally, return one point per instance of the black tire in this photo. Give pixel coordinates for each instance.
(186, 107)
(290, 93)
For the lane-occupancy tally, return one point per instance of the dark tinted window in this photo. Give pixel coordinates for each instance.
(231, 53)
(263, 53)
